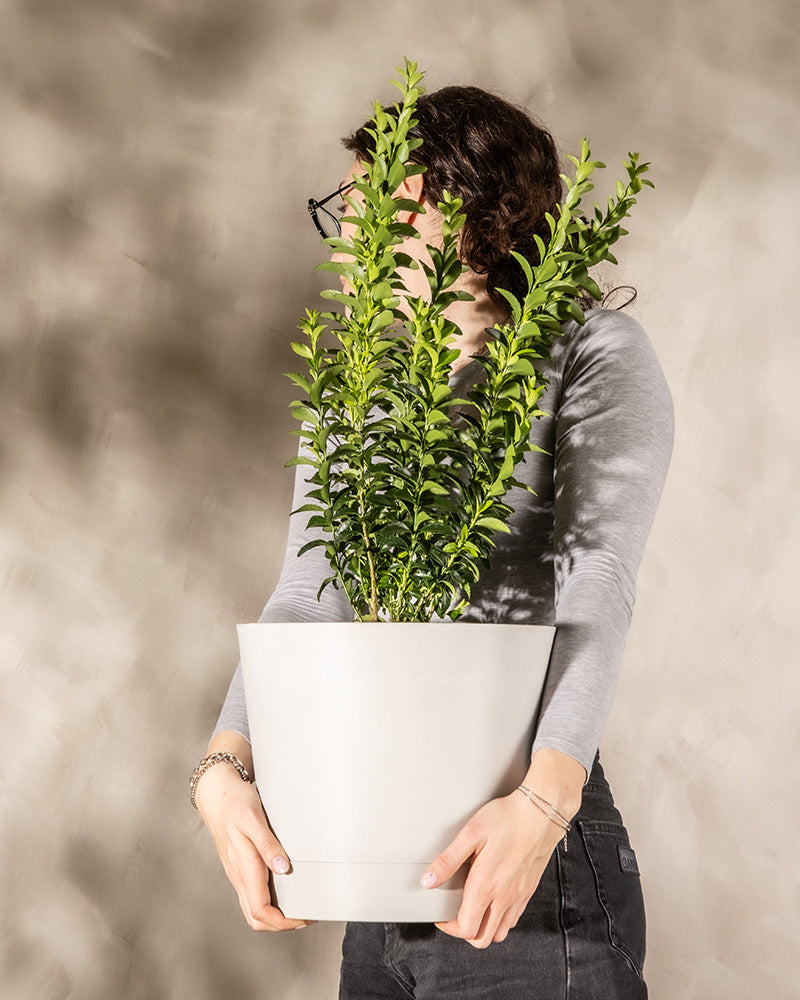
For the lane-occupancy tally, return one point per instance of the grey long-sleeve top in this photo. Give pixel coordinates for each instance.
(575, 546)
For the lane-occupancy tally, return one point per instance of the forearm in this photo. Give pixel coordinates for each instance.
(592, 622)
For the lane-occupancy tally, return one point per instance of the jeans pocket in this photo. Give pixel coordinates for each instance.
(616, 876)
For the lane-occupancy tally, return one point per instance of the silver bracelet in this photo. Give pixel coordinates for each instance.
(549, 810)
(210, 761)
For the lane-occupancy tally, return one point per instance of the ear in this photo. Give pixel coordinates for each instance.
(411, 188)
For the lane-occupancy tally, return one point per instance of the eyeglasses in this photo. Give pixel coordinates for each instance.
(327, 221)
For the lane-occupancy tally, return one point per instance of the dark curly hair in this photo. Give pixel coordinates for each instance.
(500, 162)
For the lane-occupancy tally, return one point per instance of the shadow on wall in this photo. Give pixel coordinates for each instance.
(123, 296)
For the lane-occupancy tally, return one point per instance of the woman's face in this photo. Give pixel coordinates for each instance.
(428, 224)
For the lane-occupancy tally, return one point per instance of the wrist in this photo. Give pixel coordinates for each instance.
(215, 762)
(232, 742)
(557, 778)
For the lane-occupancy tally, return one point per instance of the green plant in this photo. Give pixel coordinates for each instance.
(408, 481)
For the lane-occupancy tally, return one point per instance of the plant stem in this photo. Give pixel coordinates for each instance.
(373, 585)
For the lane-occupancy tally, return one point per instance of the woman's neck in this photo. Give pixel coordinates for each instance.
(473, 317)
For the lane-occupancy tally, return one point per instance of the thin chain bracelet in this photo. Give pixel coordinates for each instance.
(549, 810)
(210, 761)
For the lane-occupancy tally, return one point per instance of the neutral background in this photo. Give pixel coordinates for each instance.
(155, 160)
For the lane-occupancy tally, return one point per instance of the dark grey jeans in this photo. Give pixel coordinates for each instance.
(581, 937)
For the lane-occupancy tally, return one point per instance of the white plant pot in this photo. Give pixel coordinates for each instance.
(373, 743)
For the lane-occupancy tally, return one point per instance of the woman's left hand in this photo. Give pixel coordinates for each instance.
(510, 842)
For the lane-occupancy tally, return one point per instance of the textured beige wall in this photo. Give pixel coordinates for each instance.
(155, 158)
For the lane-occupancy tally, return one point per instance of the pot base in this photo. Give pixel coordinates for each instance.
(387, 893)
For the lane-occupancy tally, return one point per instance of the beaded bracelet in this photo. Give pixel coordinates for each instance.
(210, 761)
(549, 810)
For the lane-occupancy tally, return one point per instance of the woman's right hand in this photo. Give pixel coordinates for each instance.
(246, 845)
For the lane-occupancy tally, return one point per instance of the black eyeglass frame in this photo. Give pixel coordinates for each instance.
(314, 206)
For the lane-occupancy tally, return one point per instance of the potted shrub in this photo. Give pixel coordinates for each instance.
(407, 489)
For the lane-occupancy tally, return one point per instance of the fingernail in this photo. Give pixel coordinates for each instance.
(280, 865)
(428, 880)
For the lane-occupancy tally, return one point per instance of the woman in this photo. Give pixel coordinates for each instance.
(543, 915)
